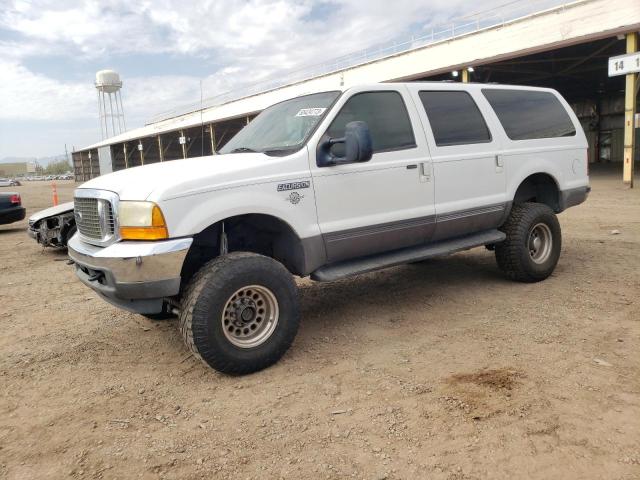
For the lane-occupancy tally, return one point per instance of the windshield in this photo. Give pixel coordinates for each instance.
(282, 127)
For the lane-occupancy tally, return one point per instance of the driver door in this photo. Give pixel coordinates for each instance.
(383, 204)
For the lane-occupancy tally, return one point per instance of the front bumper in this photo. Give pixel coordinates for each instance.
(136, 276)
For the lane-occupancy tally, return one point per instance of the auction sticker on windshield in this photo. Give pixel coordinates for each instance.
(310, 112)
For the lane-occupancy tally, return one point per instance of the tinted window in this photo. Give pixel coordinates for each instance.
(386, 116)
(455, 118)
(527, 114)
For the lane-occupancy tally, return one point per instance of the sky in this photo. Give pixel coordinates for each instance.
(165, 49)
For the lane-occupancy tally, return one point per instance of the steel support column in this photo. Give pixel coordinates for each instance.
(465, 75)
(183, 145)
(82, 167)
(630, 94)
(160, 152)
(212, 135)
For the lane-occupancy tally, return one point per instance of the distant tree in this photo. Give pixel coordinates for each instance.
(57, 167)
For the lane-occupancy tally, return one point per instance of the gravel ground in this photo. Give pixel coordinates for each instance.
(439, 370)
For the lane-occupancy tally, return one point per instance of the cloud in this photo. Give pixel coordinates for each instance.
(26, 95)
(244, 41)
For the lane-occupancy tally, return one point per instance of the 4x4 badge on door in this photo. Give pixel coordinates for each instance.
(295, 198)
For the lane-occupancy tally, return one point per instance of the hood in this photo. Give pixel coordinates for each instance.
(52, 211)
(174, 178)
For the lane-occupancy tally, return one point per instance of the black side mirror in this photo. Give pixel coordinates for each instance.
(357, 146)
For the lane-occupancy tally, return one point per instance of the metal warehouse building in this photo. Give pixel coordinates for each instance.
(565, 47)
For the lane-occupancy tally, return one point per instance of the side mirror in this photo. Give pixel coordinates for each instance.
(357, 146)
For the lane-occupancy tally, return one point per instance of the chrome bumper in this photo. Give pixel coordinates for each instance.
(135, 276)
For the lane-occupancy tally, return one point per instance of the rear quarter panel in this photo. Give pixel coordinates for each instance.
(563, 158)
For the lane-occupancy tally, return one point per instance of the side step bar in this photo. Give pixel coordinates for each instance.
(371, 263)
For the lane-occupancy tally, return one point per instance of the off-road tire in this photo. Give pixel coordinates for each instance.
(204, 302)
(514, 256)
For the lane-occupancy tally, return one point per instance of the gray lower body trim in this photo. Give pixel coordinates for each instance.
(378, 238)
(371, 240)
(405, 255)
(464, 222)
(573, 197)
(314, 254)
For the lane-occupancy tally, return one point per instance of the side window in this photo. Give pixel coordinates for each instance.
(385, 114)
(454, 117)
(528, 114)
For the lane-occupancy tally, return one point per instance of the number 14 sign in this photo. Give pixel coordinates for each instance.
(623, 64)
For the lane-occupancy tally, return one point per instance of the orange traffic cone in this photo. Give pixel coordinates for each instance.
(55, 194)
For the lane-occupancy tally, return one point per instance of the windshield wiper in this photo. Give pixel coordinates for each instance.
(242, 150)
(275, 151)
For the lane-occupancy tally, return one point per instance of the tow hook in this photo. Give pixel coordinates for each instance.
(95, 276)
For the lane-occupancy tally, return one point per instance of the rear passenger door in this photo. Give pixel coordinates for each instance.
(469, 175)
(387, 202)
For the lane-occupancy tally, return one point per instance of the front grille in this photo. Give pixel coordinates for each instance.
(94, 218)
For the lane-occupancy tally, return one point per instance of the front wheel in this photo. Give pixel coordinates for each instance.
(240, 313)
(532, 247)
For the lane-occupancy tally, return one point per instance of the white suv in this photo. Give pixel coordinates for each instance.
(329, 185)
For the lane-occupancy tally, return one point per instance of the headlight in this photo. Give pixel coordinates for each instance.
(141, 221)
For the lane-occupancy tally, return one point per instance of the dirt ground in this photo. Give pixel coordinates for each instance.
(440, 370)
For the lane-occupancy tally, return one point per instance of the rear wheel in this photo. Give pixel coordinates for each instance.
(240, 313)
(531, 250)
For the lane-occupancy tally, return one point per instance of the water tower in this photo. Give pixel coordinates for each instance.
(108, 85)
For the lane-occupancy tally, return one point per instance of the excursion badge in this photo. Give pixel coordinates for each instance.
(283, 187)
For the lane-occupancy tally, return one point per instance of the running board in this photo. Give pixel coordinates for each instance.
(371, 263)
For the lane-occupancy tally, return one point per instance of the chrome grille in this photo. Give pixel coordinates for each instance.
(110, 222)
(94, 218)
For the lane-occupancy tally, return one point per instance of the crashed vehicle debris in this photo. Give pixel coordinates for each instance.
(53, 227)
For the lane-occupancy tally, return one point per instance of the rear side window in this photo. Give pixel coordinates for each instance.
(527, 114)
(455, 118)
(385, 114)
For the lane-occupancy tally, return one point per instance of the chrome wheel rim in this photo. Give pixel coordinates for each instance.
(250, 316)
(540, 243)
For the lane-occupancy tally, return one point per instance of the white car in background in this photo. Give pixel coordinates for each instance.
(9, 182)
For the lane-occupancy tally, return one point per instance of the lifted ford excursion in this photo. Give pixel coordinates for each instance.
(330, 185)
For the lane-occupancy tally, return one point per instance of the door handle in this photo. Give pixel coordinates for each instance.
(425, 172)
(499, 161)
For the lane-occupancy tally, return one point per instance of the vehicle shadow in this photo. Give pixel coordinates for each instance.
(386, 291)
(6, 230)
(56, 252)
